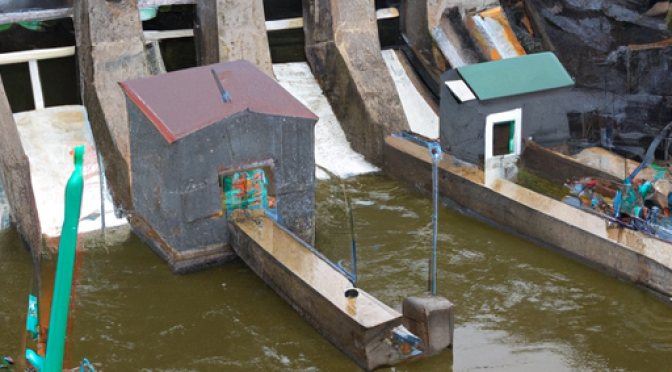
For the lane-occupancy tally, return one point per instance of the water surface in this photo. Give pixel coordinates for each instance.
(518, 306)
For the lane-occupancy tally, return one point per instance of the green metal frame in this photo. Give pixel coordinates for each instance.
(67, 247)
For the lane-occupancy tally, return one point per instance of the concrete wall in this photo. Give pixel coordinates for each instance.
(228, 30)
(176, 188)
(462, 125)
(629, 254)
(343, 50)
(16, 179)
(110, 48)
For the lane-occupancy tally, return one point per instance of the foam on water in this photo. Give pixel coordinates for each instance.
(421, 118)
(332, 149)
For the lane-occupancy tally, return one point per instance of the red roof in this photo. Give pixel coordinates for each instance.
(182, 102)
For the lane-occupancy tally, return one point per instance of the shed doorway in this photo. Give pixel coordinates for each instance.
(502, 145)
(248, 187)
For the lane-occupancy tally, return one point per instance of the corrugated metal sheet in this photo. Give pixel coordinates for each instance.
(182, 102)
(513, 76)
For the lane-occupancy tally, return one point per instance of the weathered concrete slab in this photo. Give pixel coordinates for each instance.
(343, 50)
(332, 149)
(228, 30)
(421, 116)
(628, 254)
(16, 177)
(49, 137)
(361, 326)
(110, 48)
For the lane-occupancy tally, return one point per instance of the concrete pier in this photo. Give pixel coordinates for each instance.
(110, 48)
(15, 170)
(417, 21)
(227, 30)
(343, 50)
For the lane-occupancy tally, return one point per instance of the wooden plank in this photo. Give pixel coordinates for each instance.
(35, 15)
(18, 185)
(361, 328)
(631, 255)
(558, 168)
(35, 55)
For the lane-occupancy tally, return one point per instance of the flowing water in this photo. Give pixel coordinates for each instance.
(518, 306)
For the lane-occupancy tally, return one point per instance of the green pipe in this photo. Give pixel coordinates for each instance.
(60, 305)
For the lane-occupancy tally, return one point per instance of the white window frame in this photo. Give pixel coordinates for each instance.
(502, 166)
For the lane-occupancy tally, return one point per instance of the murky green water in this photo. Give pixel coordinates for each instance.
(518, 307)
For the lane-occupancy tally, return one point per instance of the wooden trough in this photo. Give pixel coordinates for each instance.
(363, 328)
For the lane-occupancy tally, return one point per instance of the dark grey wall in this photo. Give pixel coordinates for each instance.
(176, 187)
(462, 125)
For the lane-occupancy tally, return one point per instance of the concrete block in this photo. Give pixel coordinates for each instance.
(431, 319)
(110, 48)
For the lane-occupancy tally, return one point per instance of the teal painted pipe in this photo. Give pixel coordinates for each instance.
(60, 304)
(35, 360)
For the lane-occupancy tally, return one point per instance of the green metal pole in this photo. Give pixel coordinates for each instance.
(60, 305)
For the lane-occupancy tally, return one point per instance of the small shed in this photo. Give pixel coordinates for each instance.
(521, 92)
(210, 139)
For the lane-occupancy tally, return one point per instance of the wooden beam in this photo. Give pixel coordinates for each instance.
(35, 55)
(35, 15)
(18, 184)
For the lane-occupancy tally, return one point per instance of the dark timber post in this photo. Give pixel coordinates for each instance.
(17, 182)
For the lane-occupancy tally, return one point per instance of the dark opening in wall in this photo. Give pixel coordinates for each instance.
(248, 187)
(502, 138)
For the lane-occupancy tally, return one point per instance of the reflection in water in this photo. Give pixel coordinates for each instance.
(518, 307)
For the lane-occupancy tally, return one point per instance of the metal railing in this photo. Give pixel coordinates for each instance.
(31, 57)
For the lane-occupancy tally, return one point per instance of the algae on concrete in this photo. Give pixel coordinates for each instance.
(540, 185)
